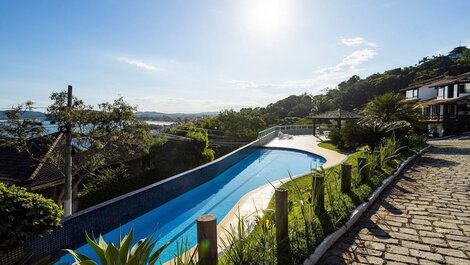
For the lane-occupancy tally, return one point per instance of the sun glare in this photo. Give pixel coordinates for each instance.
(268, 18)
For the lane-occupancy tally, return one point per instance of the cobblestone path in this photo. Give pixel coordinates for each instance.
(421, 218)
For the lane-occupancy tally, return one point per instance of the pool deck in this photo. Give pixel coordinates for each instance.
(252, 204)
(309, 143)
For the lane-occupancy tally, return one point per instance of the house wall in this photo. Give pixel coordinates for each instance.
(108, 215)
(427, 93)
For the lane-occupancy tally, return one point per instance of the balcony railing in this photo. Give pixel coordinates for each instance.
(448, 117)
(286, 129)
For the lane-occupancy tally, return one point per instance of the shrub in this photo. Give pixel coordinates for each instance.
(24, 215)
(103, 185)
(413, 141)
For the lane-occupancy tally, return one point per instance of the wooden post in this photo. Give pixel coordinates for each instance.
(68, 160)
(319, 193)
(207, 239)
(282, 224)
(314, 127)
(346, 177)
(282, 210)
(361, 166)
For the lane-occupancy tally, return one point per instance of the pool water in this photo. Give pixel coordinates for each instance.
(176, 220)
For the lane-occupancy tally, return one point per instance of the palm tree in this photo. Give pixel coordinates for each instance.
(389, 114)
(390, 108)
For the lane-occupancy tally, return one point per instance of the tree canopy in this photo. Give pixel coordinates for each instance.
(107, 134)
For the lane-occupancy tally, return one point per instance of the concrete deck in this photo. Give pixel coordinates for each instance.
(252, 204)
(309, 143)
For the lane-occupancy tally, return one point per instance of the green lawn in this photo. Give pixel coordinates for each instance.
(330, 146)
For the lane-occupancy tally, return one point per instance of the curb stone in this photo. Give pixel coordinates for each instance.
(333, 237)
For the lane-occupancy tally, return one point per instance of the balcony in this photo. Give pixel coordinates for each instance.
(461, 116)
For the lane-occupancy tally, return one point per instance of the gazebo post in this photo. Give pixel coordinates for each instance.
(314, 127)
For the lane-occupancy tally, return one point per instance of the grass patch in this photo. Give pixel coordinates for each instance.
(331, 146)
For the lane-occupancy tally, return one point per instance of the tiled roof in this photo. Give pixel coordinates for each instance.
(459, 49)
(19, 167)
(441, 81)
(337, 114)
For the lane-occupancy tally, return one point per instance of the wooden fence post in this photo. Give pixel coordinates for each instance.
(282, 210)
(282, 225)
(319, 193)
(362, 167)
(346, 177)
(207, 239)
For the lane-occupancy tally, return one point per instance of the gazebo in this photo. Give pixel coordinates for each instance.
(337, 115)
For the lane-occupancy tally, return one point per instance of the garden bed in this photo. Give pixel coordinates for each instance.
(311, 233)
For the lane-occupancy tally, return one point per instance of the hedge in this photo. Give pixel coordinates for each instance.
(24, 215)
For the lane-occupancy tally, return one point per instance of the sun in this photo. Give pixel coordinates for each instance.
(268, 18)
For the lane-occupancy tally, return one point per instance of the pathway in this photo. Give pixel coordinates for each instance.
(422, 218)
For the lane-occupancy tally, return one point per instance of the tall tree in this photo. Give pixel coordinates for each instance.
(18, 130)
(104, 135)
(321, 103)
(244, 124)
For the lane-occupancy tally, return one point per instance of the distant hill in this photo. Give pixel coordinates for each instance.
(160, 116)
(144, 115)
(26, 115)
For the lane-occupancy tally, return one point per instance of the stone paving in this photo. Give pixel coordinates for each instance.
(422, 218)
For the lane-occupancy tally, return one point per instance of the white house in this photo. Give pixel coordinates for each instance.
(444, 102)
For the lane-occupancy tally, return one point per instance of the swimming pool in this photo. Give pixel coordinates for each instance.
(176, 220)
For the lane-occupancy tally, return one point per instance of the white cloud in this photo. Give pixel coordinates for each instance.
(324, 77)
(139, 64)
(357, 41)
(249, 93)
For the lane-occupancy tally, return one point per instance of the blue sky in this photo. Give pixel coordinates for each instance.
(207, 55)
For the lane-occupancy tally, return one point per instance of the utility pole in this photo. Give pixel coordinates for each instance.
(68, 159)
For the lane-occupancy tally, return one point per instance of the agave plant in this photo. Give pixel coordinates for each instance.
(123, 253)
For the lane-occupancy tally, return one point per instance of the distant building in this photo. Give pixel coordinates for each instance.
(444, 102)
(30, 170)
(37, 172)
(457, 52)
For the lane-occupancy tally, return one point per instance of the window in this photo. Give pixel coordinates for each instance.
(440, 92)
(461, 88)
(409, 93)
(464, 88)
(412, 93)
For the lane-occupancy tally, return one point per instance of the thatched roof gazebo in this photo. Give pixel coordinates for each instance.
(337, 115)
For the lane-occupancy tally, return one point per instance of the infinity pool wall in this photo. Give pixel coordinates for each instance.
(106, 216)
